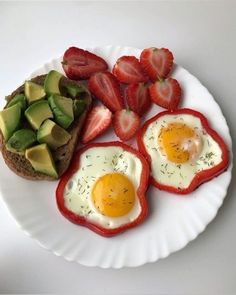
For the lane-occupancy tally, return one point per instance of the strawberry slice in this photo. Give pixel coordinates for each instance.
(125, 124)
(127, 69)
(106, 88)
(138, 98)
(157, 63)
(166, 93)
(81, 64)
(97, 121)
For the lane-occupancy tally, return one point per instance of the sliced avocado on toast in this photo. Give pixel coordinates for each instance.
(52, 82)
(10, 120)
(32, 130)
(21, 140)
(41, 159)
(33, 92)
(52, 134)
(79, 105)
(62, 108)
(37, 113)
(74, 90)
(18, 98)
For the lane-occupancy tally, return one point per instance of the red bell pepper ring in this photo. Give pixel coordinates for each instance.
(200, 177)
(75, 165)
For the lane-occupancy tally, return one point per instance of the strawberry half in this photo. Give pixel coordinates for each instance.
(106, 88)
(157, 63)
(97, 121)
(81, 64)
(127, 69)
(138, 98)
(166, 93)
(125, 124)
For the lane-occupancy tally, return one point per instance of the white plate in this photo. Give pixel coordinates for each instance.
(173, 220)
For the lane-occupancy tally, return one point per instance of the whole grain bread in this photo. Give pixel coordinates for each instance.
(62, 155)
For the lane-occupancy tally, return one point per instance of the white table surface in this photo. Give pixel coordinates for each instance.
(202, 36)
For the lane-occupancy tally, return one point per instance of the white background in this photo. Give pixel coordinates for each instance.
(202, 36)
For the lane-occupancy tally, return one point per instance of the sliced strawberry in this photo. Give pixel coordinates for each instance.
(97, 121)
(138, 98)
(125, 124)
(157, 63)
(81, 64)
(105, 87)
(127, 69)
(166, 93)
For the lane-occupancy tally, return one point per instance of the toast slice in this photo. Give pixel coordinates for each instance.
(62, 155)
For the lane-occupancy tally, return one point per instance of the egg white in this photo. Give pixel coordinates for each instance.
(94, 163)
(179, 175)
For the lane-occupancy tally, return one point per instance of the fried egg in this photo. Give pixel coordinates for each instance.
(179, 148)
(104, 188)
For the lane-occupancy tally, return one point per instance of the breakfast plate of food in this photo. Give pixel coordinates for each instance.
(113, 156)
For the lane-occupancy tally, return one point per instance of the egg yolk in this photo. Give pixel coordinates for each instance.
(179, 143)
(113, 195)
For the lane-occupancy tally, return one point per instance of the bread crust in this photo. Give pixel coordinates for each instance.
(62, 155)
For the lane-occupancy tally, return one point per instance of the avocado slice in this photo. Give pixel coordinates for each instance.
(52, 81)
(74, 90)
(18, 98)
(52, 134)
(41, 160)
(21, 140)
(79, 106)
(10, 120)
(33, 92)
(37, 113)
(62, 108)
